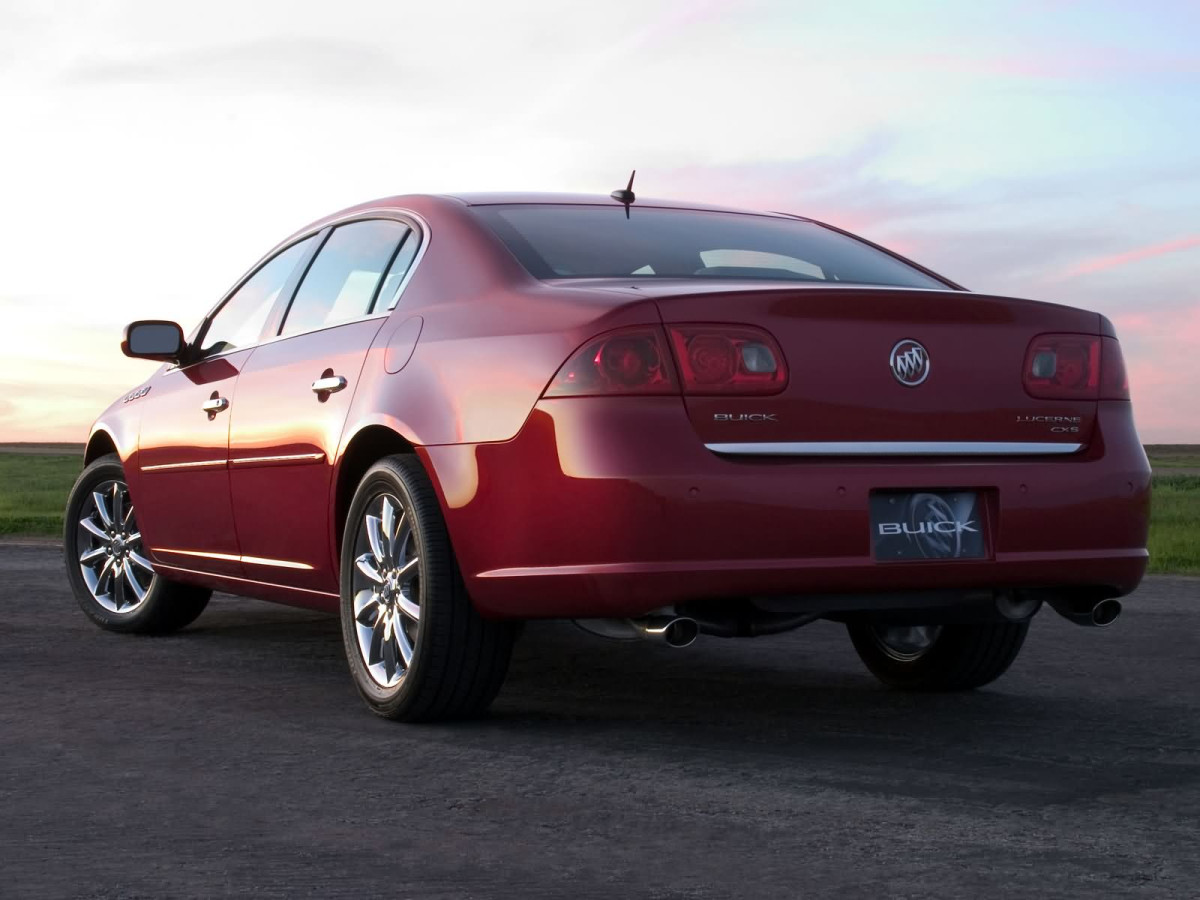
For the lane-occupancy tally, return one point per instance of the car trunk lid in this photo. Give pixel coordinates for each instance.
(886, 370)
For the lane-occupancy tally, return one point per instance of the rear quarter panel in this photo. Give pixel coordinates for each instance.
(491, 338)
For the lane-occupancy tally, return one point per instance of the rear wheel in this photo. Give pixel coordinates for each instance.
(937, 657)
(417, 648)
(113, 581)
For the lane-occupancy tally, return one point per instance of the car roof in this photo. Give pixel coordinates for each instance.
(495, 198)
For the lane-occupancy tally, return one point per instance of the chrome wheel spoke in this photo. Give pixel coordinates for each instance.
(93, 529)
(368, 566)
(101, 503)
(405, 645)
(131, 580)
(117, 584)
(391, 658)
(407, 571)
(103, 578)
(118, 503)
(410, 609)
(387, 522)
(366, 609)
(90, 556)
(140, 561)
(375, 537)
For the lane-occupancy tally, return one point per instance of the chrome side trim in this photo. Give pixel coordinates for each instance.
(291, 457)
(221, 577)
(199, 464)
(896, 448)
(229, 557)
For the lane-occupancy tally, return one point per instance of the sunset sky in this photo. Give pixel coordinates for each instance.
(151, 151)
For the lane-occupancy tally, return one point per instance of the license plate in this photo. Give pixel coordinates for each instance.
(926, 525)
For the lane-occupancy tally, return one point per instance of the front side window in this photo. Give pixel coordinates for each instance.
(239, 322)
(342, 281)
(582, 241)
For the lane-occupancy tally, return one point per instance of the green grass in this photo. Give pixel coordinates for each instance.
(33, 492)
(1173, 456)
(1175, 525)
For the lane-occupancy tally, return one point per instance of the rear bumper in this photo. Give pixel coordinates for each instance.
(613, 507)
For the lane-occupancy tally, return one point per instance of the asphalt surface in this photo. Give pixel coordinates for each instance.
(236, 758)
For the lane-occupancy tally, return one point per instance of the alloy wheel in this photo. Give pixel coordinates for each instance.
(111, 559)
(387, 590)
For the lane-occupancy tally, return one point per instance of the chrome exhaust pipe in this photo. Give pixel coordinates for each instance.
(1105, 613)
(674, 631)
(1099, 614)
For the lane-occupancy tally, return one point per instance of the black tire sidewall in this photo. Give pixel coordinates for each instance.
(961, 658)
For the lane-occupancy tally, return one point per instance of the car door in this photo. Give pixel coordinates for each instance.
(293, 397)
(183, 503)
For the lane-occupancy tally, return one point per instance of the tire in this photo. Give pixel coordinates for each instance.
(956, 657)
(447, 662)
(113, 581)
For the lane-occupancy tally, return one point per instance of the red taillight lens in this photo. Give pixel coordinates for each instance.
(1075, 367)
(728, 359)
(1114, 379)
(626, 361)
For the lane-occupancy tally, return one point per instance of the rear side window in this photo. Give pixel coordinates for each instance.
(239, 322)
(389, 294)
(342, 281)
(578, 241)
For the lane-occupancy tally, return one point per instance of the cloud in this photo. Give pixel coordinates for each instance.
(268, 64)
(1099, 264)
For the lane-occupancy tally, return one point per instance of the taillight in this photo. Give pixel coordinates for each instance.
(728, 359)
(625, 361)
(1075, 367)
(1114, 379)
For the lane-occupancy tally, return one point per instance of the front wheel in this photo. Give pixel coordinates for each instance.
(417, 649)
(113, 581)
(937, 657)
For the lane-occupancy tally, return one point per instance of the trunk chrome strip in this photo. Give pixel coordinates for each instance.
(896, 448)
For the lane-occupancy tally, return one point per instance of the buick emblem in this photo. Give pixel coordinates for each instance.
(909, 362)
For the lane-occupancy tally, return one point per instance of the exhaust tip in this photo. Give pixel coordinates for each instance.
(681, 632)
(1106, 612)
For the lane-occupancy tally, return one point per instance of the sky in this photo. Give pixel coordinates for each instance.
(150, 151)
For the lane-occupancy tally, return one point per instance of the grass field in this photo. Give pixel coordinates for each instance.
(1173, 456)
(33, 491)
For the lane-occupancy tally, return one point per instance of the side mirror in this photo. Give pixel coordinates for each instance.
(153, 339)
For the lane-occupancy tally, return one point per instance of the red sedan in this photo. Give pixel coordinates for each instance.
(441, 415)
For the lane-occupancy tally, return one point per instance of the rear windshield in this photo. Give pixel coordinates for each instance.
(576, 241)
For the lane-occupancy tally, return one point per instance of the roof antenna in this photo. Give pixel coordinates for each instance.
(625, 195)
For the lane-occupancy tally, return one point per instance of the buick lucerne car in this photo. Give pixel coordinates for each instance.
(439, 416)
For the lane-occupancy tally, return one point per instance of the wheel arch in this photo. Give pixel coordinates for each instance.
(369, 444)
(99, 444)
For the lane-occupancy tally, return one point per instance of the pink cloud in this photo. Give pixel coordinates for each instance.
(1100, 263)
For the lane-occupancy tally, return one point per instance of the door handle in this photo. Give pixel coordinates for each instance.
(214, 405)
(329, 385)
